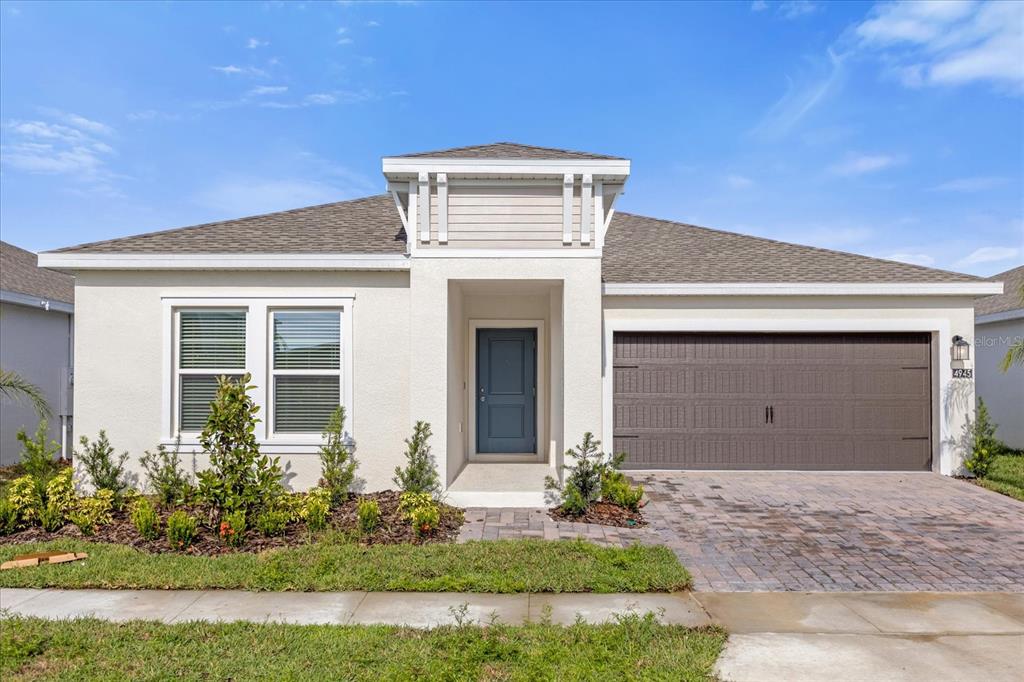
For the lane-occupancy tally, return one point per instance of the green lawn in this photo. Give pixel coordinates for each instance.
(497, 566)
(635, 648)
(1006, 476)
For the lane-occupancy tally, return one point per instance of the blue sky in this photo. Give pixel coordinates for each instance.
(886, 129)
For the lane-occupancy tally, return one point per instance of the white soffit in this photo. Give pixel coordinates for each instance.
(802, 289)
(223, 261)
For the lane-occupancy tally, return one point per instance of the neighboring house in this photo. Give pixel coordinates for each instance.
(37, 342)
(999, 322)
(495, 292)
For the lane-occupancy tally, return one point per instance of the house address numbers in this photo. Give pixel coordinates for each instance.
(963, 373)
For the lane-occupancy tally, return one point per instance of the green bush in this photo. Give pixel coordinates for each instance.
(104, 469)
(60, 492)
(272, 522)
(239, 477)
(92, 512)
(368, 514)
(164, 476)
(337, 463)
(420, 473)
(985, 447)
(181, 530)
(421, 511)
(8, 517)
(615, 488)
(232, 528)
(593, 477)
(23, 496)
(145, 519)
(38, 459)
(316, 507)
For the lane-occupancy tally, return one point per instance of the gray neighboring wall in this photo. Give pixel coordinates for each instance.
(36, 341)
(999, 322)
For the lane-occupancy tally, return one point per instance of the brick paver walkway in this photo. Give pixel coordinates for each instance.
(511, 523)
(739, 531)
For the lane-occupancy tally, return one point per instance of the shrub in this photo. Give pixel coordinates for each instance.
(104, 469)
(420, 474)
(23, 496)
(8, 517)
(368, 514)
(181, 530)
(164, 476)
(421, 510)
(985, 447)
(584, 480)
(58, 502)
(145, 519)
(239, 478)
(232, 528)
(316, 507)
(272, 522)
(92, 512)
(337, 462)
(615, 488)
(291, 505)
(38, 459)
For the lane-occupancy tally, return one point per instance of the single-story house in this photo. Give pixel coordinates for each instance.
(495, 292)
(37, 341)
(999, 322)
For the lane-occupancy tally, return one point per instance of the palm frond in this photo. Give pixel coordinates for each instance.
(17, 389)
(1014, 356)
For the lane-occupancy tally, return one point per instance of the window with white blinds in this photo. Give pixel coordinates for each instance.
(306, 369)
(211, 343)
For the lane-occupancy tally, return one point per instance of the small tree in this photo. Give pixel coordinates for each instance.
(239, 477)
(985, 447)
(583, 484)
(38, 457)
(337, 462)
(102, 467)
(420, 473)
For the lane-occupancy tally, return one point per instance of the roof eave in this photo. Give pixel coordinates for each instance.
(396, 166)
(72, 261)
(974, 289)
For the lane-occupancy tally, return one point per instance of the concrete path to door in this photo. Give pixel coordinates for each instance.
(787, 636)
(826, 532)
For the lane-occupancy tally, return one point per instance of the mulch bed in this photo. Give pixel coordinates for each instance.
(604, 514)
(391, 529)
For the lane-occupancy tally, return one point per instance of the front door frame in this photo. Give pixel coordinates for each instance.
(540, 403)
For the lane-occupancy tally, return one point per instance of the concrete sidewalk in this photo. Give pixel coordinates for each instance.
(788, 636)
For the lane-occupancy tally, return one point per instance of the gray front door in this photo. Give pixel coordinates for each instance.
(506, 391)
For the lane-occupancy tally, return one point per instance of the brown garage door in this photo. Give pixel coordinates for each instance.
(773, 401)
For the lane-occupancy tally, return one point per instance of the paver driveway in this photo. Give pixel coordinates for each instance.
(738, 531)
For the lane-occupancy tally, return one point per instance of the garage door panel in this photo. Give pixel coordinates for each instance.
(839, 401)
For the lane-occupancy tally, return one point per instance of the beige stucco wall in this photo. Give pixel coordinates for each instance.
(942, 316)
(120, 373)
(1003, 391)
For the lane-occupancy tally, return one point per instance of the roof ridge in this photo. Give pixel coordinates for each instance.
(820, 249)
(188, 228)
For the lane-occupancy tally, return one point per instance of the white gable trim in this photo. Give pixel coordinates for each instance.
(802, 289)
(223, 261)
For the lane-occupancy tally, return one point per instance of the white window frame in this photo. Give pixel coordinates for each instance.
(273, 373)
(258, 340)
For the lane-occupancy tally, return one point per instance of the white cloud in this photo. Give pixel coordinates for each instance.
(860, 164)
(976, 184)
(320, 98)
(345, 41)
(949, 42)
(738, 181)
(151, 115)
(373, 24)
(232, 70)
(801, 98)
(912, 258)
(794, 9)
(269, 90)
(758, 6)
(69, 148)
(989, 254)
(254, 43)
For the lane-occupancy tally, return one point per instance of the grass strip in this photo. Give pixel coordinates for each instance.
(502, 566)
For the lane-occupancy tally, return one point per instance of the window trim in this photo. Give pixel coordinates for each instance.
(258, 336)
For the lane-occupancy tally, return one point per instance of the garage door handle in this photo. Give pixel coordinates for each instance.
(765, 414)
(771, 414)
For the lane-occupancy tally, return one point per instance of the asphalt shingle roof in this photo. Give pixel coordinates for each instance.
(637, 248)
(641, 249)
(19, 272)
(1010, 299)
(507, 150)
(367, 225)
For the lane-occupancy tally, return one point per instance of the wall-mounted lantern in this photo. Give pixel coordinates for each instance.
(961, 348)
